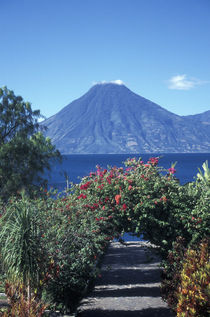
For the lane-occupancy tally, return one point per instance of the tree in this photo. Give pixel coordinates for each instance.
(24, 151)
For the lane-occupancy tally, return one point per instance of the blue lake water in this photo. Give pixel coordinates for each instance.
(78, 166)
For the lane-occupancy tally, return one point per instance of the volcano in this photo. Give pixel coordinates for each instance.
(111, 119)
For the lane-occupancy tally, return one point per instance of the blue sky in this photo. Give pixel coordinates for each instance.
(53, 51)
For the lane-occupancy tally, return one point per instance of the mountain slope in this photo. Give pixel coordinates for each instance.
(110, 118)
(202, 117)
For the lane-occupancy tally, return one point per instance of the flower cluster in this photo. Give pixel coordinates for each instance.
(85, 186)
(172, 170)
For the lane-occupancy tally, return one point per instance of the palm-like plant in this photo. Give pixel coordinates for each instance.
(20, 244)
(205, 176)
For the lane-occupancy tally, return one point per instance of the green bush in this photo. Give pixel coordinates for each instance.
(171, 274)
(180, 260)
(75, 242)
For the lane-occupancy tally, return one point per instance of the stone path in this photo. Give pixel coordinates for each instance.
(128, 287)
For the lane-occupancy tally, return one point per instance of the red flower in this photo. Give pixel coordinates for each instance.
(81, 196)
(130, 187)
(85, 186)
(109, 180)
(118, 199)
(172, 170)
(153, 161)
(124, 206)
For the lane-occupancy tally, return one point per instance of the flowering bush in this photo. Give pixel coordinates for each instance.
(142, 199)
(75, 241)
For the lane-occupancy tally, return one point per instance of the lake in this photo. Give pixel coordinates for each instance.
(78, 166)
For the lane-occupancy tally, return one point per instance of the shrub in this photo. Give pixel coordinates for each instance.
(22, 254)
(75, 240)
(194, 291)
(171, 274)
(195, 224)
(20, 305)
(157, 204)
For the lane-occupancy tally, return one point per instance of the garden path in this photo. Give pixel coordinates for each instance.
(128, 286)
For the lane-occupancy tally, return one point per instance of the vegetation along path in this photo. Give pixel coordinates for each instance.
(128, 285)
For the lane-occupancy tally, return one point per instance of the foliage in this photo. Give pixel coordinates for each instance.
(21, 253)
(161, 203)
(196, 224)
(75, 243)
(72, 230)
(54, 246)
(17, 117)
(171, 274)
(204, 177)
(200, 216)
(194, 291)
(24, 151)
(185, 279)
(142, 199)
(20, 306)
